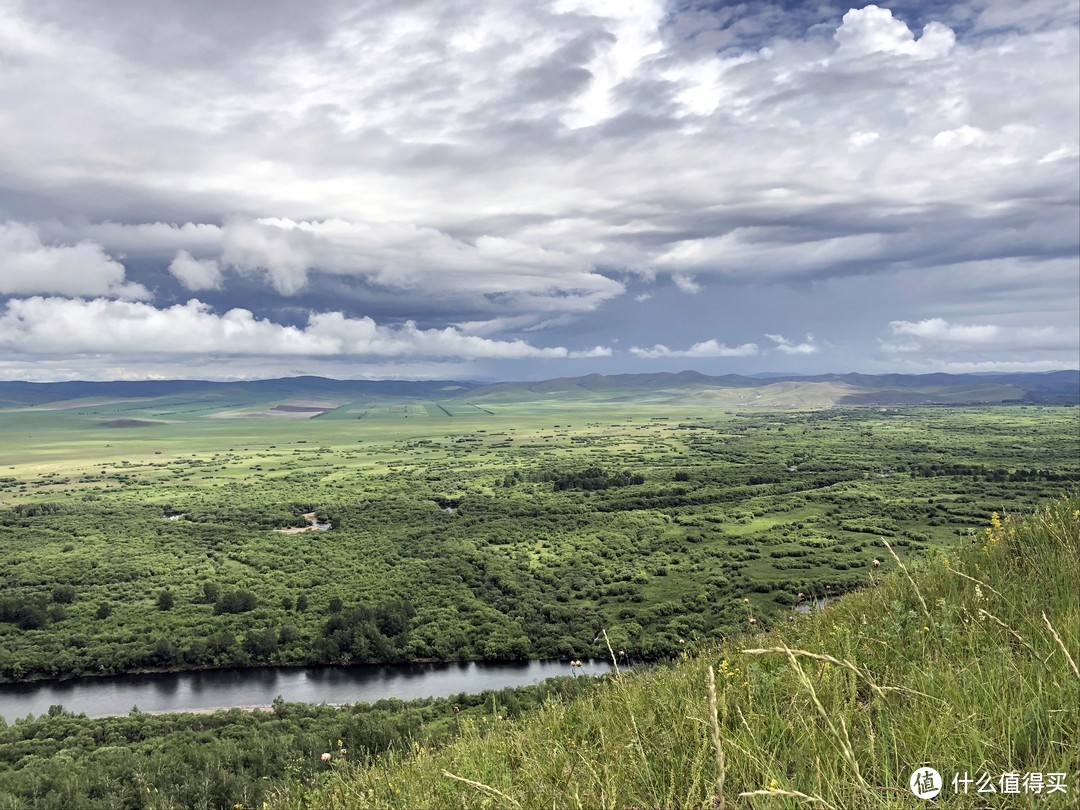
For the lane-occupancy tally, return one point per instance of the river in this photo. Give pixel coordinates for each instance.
(246, 688)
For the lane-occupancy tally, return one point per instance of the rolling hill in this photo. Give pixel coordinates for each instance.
(727, 391)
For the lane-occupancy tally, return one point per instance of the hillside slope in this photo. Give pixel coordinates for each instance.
(729, 390)
(968, 666)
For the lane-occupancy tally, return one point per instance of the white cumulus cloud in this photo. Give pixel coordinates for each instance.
(29, 266)
(942, 335)
(59, 326)
(874, 30)
(196, 274)
(686, 283)
(707, 348)
(788, 347)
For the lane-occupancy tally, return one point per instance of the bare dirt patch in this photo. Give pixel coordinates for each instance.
(313, 526)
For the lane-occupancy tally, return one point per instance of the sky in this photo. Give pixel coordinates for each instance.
(527, 189)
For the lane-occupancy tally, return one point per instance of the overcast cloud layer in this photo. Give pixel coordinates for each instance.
(527, 189)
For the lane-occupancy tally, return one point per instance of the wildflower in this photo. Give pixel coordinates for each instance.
(753, 621)
(326, 757)
(925, 629)
(875, 564)
(746, 601)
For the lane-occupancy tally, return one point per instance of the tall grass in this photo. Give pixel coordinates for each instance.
(964, 661)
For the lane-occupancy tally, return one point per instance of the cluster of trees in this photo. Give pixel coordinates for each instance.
(538, 554)
(226, 759)
(589, 478)
(998, 474)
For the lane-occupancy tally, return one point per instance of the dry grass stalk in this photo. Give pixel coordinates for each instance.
(842, 739)
(1061, 644)
(881, 690)
(1008, 629)
(976, 581)
(613, 659)
(907, 574)
(482, 787)
(719, 799)
(793, 794)
(828, 659)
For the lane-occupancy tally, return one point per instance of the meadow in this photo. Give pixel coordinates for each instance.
(963, 661)
(146, 534)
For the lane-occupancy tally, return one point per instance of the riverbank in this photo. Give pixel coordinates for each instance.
(232, 757)
(284, 665)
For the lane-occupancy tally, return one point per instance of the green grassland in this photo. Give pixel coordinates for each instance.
(965, 661)
(969, 665)
(490, 529)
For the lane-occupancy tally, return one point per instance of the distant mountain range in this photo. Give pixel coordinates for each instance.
(730, 390)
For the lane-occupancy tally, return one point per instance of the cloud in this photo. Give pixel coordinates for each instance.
(196, 274)
(787, 347)
(28, 266)
(707, 348)
(157, 240)
(872, 30)
(362, 159)
(686, 283)
(424, 261)
(952, 366)
(57, 326)
(941, 335)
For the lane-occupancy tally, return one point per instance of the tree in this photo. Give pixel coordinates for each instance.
(104, 610)
(164, 651)
(392, 617)
(165, 600)
(33, 618)
(235, 602)
(64, 594)
(261, 645)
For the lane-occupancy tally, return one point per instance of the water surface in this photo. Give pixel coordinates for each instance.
(246, 688)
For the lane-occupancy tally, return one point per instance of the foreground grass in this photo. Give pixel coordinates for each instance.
(968, 665)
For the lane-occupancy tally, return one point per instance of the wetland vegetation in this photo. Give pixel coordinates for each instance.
(155, 548)
(517, 529)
